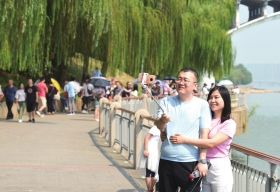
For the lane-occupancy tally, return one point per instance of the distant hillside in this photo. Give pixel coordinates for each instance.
(264, 72)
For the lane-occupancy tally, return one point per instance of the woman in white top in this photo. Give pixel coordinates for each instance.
(20, 101)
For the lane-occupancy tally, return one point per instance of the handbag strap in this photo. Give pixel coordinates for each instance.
(52, 90)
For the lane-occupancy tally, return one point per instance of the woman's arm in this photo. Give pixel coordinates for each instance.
(146, 141)
(203, 143)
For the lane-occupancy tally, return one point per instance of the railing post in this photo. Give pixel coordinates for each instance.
(138, 135)
(247, 175)
(273, 177)
(112, 124)
(102, 101)
(145, 101)
(117, 98)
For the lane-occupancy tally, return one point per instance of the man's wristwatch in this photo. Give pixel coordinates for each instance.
(203, 161)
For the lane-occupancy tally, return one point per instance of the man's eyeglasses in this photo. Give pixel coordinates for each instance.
(184, 80)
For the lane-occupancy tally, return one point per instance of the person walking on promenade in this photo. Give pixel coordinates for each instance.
(219, 177)
(31, 100)
(50, 98)
(69, 88)
(56, 98)
(98, 93)
(42, 91)
(87, 94)
(148, 160)
(1, 96)
(205, 91)
(10, 92)
(191, 117)
(20, 101)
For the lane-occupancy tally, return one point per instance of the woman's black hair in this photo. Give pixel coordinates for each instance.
(135, 87)
(20, 84)
(227, 103)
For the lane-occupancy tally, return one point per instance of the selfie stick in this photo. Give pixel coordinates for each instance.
(143, 86)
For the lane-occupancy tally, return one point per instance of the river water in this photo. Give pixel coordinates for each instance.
(263, 129)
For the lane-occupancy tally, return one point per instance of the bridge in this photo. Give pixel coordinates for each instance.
(257, 12)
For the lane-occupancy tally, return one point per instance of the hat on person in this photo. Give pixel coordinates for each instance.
(157, 82)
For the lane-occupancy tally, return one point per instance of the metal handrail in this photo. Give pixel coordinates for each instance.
(125, 110)
(257, 154)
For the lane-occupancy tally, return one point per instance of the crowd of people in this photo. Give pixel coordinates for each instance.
(194, 133)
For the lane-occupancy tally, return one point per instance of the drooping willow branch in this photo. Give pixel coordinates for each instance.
(163, 35)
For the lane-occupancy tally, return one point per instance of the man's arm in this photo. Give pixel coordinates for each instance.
(203, 168)
(36, 96)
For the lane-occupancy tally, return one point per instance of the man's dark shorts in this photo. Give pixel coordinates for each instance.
(87, 100)
(176, 174)
(30, 106)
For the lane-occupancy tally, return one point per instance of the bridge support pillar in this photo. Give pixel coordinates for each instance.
(265, 3)
(237, 18)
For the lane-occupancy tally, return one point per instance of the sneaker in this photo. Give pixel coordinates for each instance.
(83, 111)
(33, 120)
(29, 121)
(66, 108)
(96, 119)
(20, 121)
(69, 114)
(39, 113)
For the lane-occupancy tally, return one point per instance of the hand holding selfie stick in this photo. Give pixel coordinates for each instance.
(147, 79)
(143, 86)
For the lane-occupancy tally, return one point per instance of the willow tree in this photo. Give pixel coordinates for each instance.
(159, 35)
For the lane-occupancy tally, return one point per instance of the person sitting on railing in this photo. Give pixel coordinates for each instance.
(191, 117)
(158, 90)
(118, 89)
(148, 160)
(235, 90)
(127, 90)
(219, 177)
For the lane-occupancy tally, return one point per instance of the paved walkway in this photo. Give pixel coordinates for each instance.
(59, 153)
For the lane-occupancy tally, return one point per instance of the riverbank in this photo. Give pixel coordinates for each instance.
(251, 89)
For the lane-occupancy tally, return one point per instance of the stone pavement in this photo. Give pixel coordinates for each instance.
(61, 153)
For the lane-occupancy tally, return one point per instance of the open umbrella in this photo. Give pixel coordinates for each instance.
(94, 79)
(102, 83)
(225, 82)
(56, 84)
(169, 77)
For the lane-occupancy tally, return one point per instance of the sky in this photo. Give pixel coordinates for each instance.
(257, 44)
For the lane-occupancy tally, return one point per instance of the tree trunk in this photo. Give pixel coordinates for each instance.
(85, 67)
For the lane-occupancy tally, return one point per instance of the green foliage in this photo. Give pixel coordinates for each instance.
(240, 75)
(163, 35)
(253, 109)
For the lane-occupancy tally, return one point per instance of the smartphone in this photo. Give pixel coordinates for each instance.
(146, 78)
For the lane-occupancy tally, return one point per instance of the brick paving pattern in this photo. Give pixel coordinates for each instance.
(59, 153)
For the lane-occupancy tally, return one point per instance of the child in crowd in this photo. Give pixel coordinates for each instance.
(148, 160)
(20, 101)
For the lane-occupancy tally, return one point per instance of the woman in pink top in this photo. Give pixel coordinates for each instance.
(219, 177)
